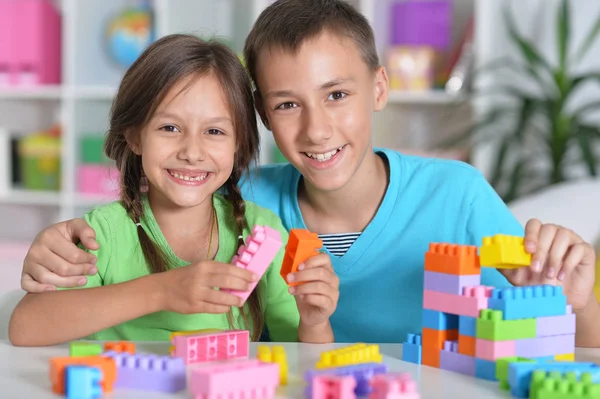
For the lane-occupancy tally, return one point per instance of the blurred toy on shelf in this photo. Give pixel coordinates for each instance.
(129, 33)
(96, 174)
(411, 68)
(40, 160)
(30, 43)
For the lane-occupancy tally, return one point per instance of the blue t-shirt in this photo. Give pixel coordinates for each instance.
(381, 275)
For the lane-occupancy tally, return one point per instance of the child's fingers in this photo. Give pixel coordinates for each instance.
(319, 301)
(320, 260)
(315, 274)
(314, 287)
(532, 232)
(558, 250)
(29, 284)
(545, 239)
(573, 258)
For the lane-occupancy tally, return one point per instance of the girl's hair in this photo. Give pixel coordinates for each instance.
(145, 84)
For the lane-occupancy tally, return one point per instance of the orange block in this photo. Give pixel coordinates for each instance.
(452, 259)
(106, 364)
(301, 245)
(120, 346)
(431, 338)
(430, 356)
(466, 345)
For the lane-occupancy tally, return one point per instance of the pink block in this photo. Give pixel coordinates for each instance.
(393, 386)
(258, 253)
(494, 350)
(239, 379)
(7, 41)
(209, 347)
(38, 55)
(333, 387)
(99, 180)
(470, 303)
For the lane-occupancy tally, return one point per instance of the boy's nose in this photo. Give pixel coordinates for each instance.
(317, 127)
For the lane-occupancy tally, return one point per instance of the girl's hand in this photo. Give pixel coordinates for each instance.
(317, 296)
(193, 288)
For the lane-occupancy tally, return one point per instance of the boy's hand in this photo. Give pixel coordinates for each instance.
(559, 257)
(317, 297)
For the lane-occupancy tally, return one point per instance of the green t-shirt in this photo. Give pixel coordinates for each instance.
(120, 259)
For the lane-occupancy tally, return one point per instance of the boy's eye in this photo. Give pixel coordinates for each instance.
(169, 128)
(287, 105)
(337, 95)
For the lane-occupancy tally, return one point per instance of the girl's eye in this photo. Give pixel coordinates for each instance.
(288, 105)
(214, 132)
(170, 128)
(337, 95)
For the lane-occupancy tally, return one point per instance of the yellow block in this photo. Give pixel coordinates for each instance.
(353, 354)
(569, 357)
(275, 355)
(504, 252)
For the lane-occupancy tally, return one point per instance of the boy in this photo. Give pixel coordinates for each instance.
(318, 83)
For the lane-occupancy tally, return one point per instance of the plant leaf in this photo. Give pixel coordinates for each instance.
(587, 151)
(564, 32)
(515, 180)
(589, 41)
(593, 106)
(580, 79)
(513, 66)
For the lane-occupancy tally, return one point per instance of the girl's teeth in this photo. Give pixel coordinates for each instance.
(188, 178)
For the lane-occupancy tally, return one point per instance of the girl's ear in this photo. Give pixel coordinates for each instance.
(133, 141)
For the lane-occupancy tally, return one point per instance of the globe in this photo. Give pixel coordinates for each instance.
(128, 34)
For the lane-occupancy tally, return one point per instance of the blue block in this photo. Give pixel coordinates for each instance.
(82, 382)
(519, 374)
(411, 349)
(467, 326)
(439, 320)
(485, 369)
(529, 302)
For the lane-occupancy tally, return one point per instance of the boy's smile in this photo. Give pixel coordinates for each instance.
(318, 101)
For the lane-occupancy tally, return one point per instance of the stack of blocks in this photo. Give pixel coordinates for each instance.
(468, 327)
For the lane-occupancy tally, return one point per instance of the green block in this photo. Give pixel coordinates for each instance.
(490, 326)
(92, 150)
(81, 349)
(556, 385)
(502, 365)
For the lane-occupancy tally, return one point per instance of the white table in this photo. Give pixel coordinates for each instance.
(24, 372)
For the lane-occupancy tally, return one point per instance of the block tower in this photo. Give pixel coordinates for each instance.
(467, 327)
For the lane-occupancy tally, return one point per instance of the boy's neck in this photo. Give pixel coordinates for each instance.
(351, 208)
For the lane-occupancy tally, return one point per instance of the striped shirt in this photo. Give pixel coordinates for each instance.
(339, 243)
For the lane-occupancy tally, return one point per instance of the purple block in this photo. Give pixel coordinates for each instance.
(545, 346)
(361, 372)
(449, 283)
(457, 362)
(569, 309)
(421, 23)
(555, 325)
(149, 372)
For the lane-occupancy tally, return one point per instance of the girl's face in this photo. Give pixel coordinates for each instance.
(188, 146)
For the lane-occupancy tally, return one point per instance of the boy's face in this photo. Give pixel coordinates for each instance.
(319, 104)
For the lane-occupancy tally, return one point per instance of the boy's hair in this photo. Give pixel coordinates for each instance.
(289, 23)
(145, 84)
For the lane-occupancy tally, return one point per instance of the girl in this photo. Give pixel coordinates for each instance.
(182, 124)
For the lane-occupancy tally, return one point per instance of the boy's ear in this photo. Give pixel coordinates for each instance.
(260, 108)
(133, 141)
(381, 88)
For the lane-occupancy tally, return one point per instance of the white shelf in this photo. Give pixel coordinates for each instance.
(434, 97)
(31, 197)
(89, 200)
(95, 92)
(31, 93)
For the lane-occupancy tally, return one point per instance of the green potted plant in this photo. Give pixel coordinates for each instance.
(539, 132)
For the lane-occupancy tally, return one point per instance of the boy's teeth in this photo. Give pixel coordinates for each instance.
(188, 178)
(323, 157)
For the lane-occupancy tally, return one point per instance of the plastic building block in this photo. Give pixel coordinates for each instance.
(493, 350)
(529, 302)
(450, 283)
(275, 355)
(452, 259)
(569, 357)
(555, 385)
(394, 386)
(502, 369)
(353, 354)
(545, 346)
(193, 332)
(439, 320)
(208, 347)
(555, 325)
(452, 360)
(149, 372)
(470, 303)
(302, 244)
(79, 349)
(485, 369)
(261, 248)
(58, 367)
(433, 342)
(504, 252)
(83, 382)
(491, 326)
(519, 373)
(120, 346)
(467, 325)
(249, 378)
(466, 345)
(362, 373)
(333, 387)
(411, 349)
